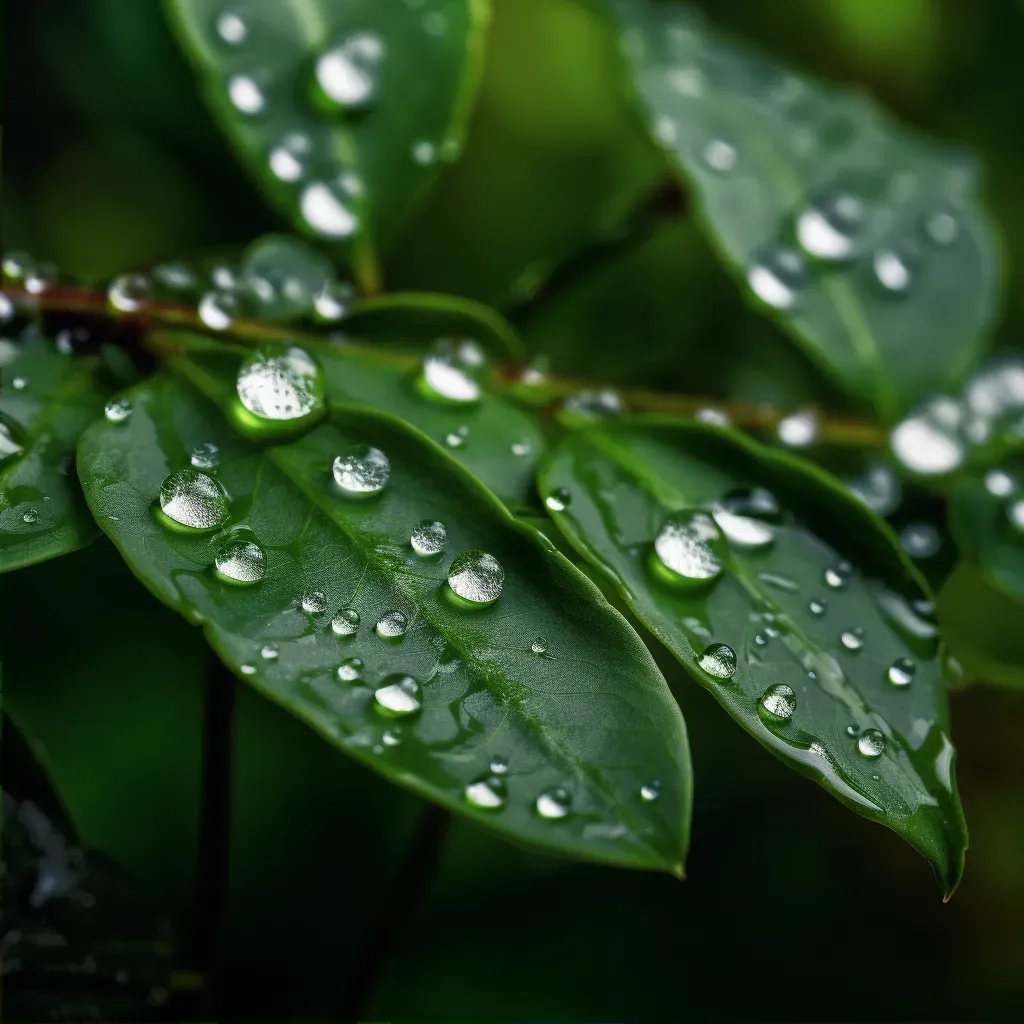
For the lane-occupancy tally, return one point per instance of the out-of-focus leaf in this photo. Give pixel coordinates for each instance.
(790, 601)
(541, 715)
(343, 109)
(859, 236)
(46, 401)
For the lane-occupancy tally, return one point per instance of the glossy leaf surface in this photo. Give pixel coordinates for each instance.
(46, 401)
(860, 236)
(989, 529)
(503, 719)
(792, 613)
(496, 441)
(342, 108)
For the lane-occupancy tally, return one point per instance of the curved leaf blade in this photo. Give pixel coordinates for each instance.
(351, 178)
(762, 145)
(46, 401)
(592, 714)
(625, 480)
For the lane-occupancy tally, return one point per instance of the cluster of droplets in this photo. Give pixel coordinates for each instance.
(22, 271)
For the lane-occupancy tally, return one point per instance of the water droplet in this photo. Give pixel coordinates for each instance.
(650, 791)
(444, 381)
(118, 410)
(350, 670)
(817, 607)
(779, 701)
(399, 696)
(745, 517)
(6, 308)
(477, 577)
(588, 405)
(521, 448)
(715, 417)
(193, 500)
(269, 652)
(40, 277)
(879, 488)
(332, 302)
(799, 429)
(424, 152)
(838, 576)
(218, 309)
(871, 743)
(392, 624)
(901, 672)
(175, 276)
(779, 582)
(499, 764)
(348, 74)
(392, 737)
(666, 129)
(941, 228)
(314, 603)
(364, 470)
(488, 793)
(245, 95)
(852, 730)
(206, 456)
(719, 156)
(288, 161)
(428, 538)
(281, 384)
(247, 670)
(921, 540)
(30, 516)
(559, 499)
(241, 561)
(777, 276)
(927, 442)
(327, 212)
(456, 439)
(554, 803)
(231, 28)
(9, 447)
(829, 228)
(853, 639)
(718, 660)
(345, 622)
(1015, 514)
(892, 271)
(19, 383)
(686, 546)
(1000, 484)
(539, 646)
(130, 292)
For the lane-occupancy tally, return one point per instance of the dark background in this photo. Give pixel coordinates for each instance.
(794, 908)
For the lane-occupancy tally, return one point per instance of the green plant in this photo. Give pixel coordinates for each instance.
(450, 563)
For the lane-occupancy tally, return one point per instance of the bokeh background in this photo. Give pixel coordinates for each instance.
(794, 908)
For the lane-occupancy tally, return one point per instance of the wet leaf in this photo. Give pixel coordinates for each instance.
(46, 401)
(362, 637)
(859, 236)
(496, 441)
(786, 598)
(343, 110)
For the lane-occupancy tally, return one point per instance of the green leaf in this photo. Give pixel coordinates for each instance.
(496, 441)
(590, 713)
(860, 236)
(987, 531)
(46, 401)
(351, 169)
(613, 490)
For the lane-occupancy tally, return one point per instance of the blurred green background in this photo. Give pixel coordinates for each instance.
(794, 909)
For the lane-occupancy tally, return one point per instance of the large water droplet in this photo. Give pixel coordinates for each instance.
(444, 381)
(539, 646)
(488, 793)
(350, 670)
(364, 470)
(554, 803)
(901, 672)
(345, 622)
(828, 229)
(118, 410)
(314, 603)
(327, 210)
(777, 276)
(928, 441)
(348, 74)
(130, 292)
(281, 384)
(269, 652)
(686, 546)
(718, 660)
(206, 456)
(745, 517)
(399, 696)
(332, 302)
(559, 499)
(429, 538)
(392, 624)
(193, 500)
(779, 701)
(477, 577)
(218, 309)
(871, 743)
(241, 561)
(30, 516)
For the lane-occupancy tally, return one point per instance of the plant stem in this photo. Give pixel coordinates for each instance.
(213, 854)
(413, 879)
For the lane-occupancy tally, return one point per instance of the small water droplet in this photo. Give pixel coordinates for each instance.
(231, 28)
(941, 228)
(715, 417)
(423, 152)
(364, 470)
(901, 672)
(718, 660)
(269, 652)
(852, 730)
(559, 499)
(921, 540)
(428, 538)
(241, 561)
(487, 793)
(1015, 514)
(247, 670)
(118, 410)
(206, 456)
(477, 577)
(280, 384)
(838, 576)
(853, 639)
(350, 670)
(799, 429)
(289, 160)
(392, 624)
(19, 383)
(828, 229)
(246, 95)
(927, 442)
(218, 309)
(130, 292)
(442, 380)
(345, 622)
(348, 74)
(399, 696)
(193, 500)
(30, 516)
(499, 764)
(745, 517)
(650, 791)
(719, 156)
(1000, 484)
(539, 646)
(392, 737)
(686, 546)
(779, 701)
(588, 404)
(333, 300)
(6, 308)
(325, 208)
(777, 276)
(554, 803)
(892, 271)
(456, 439)
(871, 743)
(521, 448)
(817, 607)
